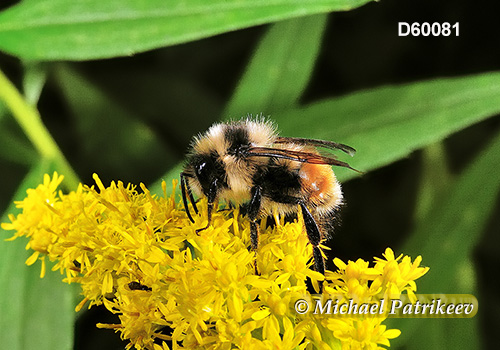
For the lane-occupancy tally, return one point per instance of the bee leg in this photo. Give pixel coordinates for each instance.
(254, 236)
(252, 212)
(210, 207)
(314, 235)
(211, 197)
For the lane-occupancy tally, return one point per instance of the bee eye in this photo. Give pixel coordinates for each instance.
(201, 169)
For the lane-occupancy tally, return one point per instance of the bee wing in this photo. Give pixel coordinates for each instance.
(317, 143)
(297, 156)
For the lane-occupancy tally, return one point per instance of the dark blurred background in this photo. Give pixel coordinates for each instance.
(179, 91)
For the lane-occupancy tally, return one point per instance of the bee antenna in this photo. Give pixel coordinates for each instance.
(186, 191)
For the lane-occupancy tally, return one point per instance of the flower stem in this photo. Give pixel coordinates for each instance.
(30, 121)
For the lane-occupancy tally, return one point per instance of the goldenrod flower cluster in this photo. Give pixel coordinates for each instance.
(139, 255)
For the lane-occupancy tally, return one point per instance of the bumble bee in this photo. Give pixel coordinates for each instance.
(246, 163)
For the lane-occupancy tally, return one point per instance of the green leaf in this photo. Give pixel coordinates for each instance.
(36, 313)
(445, 239)
(388, 123)
(280, 68)
(89, 29)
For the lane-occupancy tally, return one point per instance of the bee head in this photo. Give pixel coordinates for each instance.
(208, 170)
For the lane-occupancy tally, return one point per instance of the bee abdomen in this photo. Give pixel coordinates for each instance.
(320, 186)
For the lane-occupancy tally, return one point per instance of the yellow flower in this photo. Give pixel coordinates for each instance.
(174, 288)
(398, 276)
(362, 333)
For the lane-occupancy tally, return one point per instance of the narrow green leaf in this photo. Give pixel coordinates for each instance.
(3, 110)
(89, 29)
(15, 148)
(446, 239)
(110, 135)
(35, 313)
(434, 179)
(388, 123)
(454, 225)
(280, 68)
(34, 80)
(30, 121)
